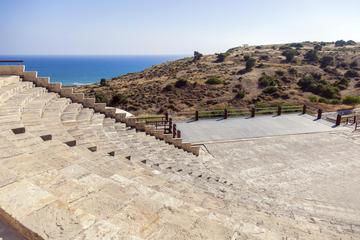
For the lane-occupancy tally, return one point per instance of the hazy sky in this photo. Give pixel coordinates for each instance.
(168, 26)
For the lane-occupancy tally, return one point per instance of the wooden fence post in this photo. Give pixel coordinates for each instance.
(178, 134)
(170, 125)
(338, 120)
(279, 111)
(304, 109)
(167, 116)
(197, 115)
(174, 130)
(225, 113)
(252, 112)
(319, 114)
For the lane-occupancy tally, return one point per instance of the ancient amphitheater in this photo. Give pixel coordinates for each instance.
(71, 168)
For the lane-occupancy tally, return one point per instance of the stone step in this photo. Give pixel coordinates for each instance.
(11, 90)
(7, 80)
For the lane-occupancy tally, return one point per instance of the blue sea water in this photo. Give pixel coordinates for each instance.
(77, 70)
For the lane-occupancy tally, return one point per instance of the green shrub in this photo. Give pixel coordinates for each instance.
(292, 71)
(221, 57)
(335, 101)
(250, 63)
(296, 45)
(258, 47)
(316, 75)
(197, 56)
(266, 80)
(351, 100)
(213, 80)
(313, 98)
(357, 85)
(279, 72)
(317, 47)
(311, 56)
(342, 83)
(324, 100)
(103, 82)
(340, 43)
(240, 94)
(264, 57)
(354, 64)
(246, 57)
(350, 42)
(168, 87)
(351, 73)
(290, 54)
(326, 61)
(318, 86)
(118, 99)
(270, 90)
(101, 98)
(261, 65)
(181, 82)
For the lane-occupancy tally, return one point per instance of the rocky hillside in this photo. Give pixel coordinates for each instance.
(316, 73)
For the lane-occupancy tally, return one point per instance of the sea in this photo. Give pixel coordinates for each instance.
(79, 70)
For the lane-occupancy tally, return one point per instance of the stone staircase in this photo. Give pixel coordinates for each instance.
(71, 171)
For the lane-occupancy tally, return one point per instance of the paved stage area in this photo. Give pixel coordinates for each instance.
(314, 175)
(261, 126)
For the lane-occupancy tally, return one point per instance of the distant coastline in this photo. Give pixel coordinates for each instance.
(80, 70)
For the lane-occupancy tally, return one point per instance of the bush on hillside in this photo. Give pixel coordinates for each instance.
(290, 54)
(197, 56)
(213, 80)
(335, 101)
(250, 63)
(293, 71)
(240, 94)
(354, 64)
(311, 56)
(279, 72)
(326, 61)
(103, 82)
(313, 98)
(181, 82)
(318, 86)
(264, 57)
(342, 83)
(317, 47)
(101, 98)
(221, 56)
(351, 73)
(266, 80)
(270, 90)
(351, 100)
(118, 99)
(168, 88)
(357, 85)
(340, 43)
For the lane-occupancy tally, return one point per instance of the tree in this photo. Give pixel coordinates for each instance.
(351, 42)
(340, 43)
(290, 54)
(103, 82)
(221, 57)
(250, 63)
(197, 56)
(326, 61)
(351, 73)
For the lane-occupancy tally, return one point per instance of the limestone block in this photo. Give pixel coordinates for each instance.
(66, 92)
(55, 87)
(29, 76)
(77, 97)
(168, 138)
(100, 107)
(195, 150)
(43, 81)
(140, 126)
(89, 102)
(11, 69)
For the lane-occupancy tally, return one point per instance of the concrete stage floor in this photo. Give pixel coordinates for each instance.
(213, 130)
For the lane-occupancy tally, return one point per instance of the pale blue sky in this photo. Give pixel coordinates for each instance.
(139, 27)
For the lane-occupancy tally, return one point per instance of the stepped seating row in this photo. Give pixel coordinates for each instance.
(50, 183)
(50, 190)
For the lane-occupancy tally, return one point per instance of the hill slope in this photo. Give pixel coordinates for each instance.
(275, 73)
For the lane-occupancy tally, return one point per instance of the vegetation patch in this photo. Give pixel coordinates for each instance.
(351, 100)
(181, 82)
(266, 80)
(213, 81)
